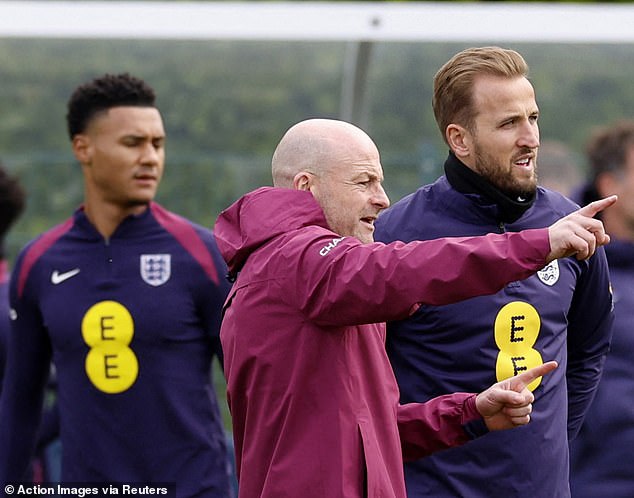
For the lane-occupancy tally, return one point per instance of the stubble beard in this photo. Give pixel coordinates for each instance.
(501, 176)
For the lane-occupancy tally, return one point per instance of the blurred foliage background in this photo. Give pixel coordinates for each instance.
(225, 105)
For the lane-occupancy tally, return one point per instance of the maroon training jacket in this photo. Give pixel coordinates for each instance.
(312, 394)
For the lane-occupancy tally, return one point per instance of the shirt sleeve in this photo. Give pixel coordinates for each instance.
(214, 295)
(590, 323)
(440, 423)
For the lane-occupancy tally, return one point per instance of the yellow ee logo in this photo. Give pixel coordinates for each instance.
(108, 329)
(516, 329)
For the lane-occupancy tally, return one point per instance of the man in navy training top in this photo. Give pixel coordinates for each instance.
(125, 297)
(486, 110)
(601, 462)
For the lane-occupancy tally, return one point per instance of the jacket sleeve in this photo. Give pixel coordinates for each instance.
(343, 282)
(440, 423)
(590, 323)
(213, 295)
(28, 366)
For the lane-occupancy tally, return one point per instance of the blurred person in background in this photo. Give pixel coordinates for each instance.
(487, 113)
(559, 168)
(601, 456)
(45, 462)
(125, 297)
(12, 204)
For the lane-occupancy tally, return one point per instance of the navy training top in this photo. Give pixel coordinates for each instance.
(562, 313)
(132, 325)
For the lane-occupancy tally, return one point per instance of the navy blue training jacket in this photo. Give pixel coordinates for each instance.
(131, 324)
(563, 313)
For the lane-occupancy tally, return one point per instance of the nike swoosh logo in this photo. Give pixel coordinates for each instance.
(58, 278)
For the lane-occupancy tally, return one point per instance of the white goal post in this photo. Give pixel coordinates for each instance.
(321, 21)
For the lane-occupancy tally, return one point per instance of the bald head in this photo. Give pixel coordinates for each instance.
(340, 166)
(316, 146)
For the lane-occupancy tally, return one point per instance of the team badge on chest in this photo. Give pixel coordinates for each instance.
(550, 273)
(156, 268)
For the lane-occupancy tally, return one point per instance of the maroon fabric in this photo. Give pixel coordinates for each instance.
(312, 395)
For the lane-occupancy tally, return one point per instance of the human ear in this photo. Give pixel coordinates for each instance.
(302, 181)
(459, 140)
(82, 149)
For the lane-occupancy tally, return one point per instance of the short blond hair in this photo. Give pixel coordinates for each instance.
(453, 83)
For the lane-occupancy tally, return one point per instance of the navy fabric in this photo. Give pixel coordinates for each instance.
(562, 313)
(132, 325)
(601, 455)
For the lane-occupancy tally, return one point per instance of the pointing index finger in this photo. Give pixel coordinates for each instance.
(525, 378)
(597, 206)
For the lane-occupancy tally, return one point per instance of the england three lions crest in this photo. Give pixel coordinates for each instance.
(550, 273)
(156, 268)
